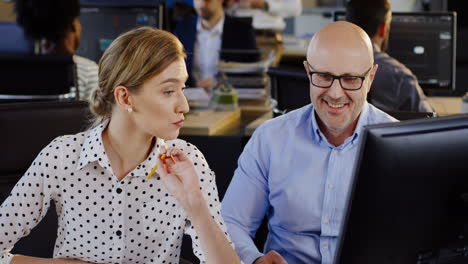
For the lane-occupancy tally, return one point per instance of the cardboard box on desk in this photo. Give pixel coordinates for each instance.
(210, 123)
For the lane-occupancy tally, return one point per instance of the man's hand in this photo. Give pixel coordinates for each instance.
(271, 257)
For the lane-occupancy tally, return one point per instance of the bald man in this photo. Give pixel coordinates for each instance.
(296, 169)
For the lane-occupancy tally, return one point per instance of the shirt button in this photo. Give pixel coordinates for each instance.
(330, 186)
(118, 233)
(326, 222)
(325, 246)
(118, 190)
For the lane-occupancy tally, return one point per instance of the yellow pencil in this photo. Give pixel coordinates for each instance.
(152, 171)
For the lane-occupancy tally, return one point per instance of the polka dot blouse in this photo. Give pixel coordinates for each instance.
(100, 219)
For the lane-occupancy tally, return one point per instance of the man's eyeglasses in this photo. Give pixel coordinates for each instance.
(325, 80)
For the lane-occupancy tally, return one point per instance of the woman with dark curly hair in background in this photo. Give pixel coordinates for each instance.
(55, 29)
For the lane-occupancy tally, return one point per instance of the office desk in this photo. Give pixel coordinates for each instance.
(209, 122)
(448, 105)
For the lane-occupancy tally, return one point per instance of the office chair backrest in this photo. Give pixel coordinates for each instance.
(289, 87)
(13, 39)
(36, 77)
(26, 129)
(408, 115)
(29, 127)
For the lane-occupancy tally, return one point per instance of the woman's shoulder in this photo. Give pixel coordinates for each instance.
(69, 141)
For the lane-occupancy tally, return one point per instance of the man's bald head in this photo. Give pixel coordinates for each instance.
(341, 42)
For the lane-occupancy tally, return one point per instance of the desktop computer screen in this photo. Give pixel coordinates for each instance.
(13, 39)
(103, 21)
(408, 202)
(426, 43)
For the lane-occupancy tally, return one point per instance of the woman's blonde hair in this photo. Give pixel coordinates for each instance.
(132, 58)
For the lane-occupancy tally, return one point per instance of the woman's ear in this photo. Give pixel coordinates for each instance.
(122, 98)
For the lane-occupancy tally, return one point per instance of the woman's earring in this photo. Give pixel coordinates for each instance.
(129, 110)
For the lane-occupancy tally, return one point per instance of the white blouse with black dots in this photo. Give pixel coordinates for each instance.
(100, 219)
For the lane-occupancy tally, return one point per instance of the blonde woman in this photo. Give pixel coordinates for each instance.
(114, 204)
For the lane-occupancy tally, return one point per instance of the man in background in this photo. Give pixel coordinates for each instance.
(210, 36)
(395, 87)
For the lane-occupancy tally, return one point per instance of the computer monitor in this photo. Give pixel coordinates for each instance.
(103, 21)
(426, 43)
(408, 202)
(13, 39)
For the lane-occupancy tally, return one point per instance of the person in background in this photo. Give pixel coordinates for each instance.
(55, 28)
(126, 190)
(395, 87)
(268, 20)
(296, 169)
(208, 38)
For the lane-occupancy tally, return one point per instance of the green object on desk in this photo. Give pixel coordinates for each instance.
(225, 98)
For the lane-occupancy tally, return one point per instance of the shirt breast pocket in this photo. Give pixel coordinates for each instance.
(162, 218)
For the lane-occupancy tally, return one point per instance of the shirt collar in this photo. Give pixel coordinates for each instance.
(92, 148)
(93, 151)
(362, 121)
(217, 29)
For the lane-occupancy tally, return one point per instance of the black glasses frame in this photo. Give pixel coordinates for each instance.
(362, 77)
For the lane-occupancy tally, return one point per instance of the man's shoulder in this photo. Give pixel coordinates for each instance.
(390, 65)
(377, 116)
(185, 24)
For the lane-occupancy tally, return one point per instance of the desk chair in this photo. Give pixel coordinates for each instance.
(26, 129)
(407, 115)
(289, 87)
(27, 77)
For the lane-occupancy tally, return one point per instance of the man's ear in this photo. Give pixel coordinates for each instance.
(122, 98)
(372, 75)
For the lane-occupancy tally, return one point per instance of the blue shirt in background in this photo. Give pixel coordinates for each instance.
(289, 172)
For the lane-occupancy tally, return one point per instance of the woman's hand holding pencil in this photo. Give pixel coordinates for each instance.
(180, 178)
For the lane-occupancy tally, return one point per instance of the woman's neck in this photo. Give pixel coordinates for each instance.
(125, 146)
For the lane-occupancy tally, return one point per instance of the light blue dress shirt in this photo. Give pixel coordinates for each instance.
(290, 173)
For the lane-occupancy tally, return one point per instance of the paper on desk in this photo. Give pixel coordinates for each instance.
(245, 67)
(197, 97)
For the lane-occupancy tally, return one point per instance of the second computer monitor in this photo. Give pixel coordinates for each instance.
(426, 43)
(408, 203)
(104, 20)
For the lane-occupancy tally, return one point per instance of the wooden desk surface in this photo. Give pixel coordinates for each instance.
(448, 105)
(209, 123)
